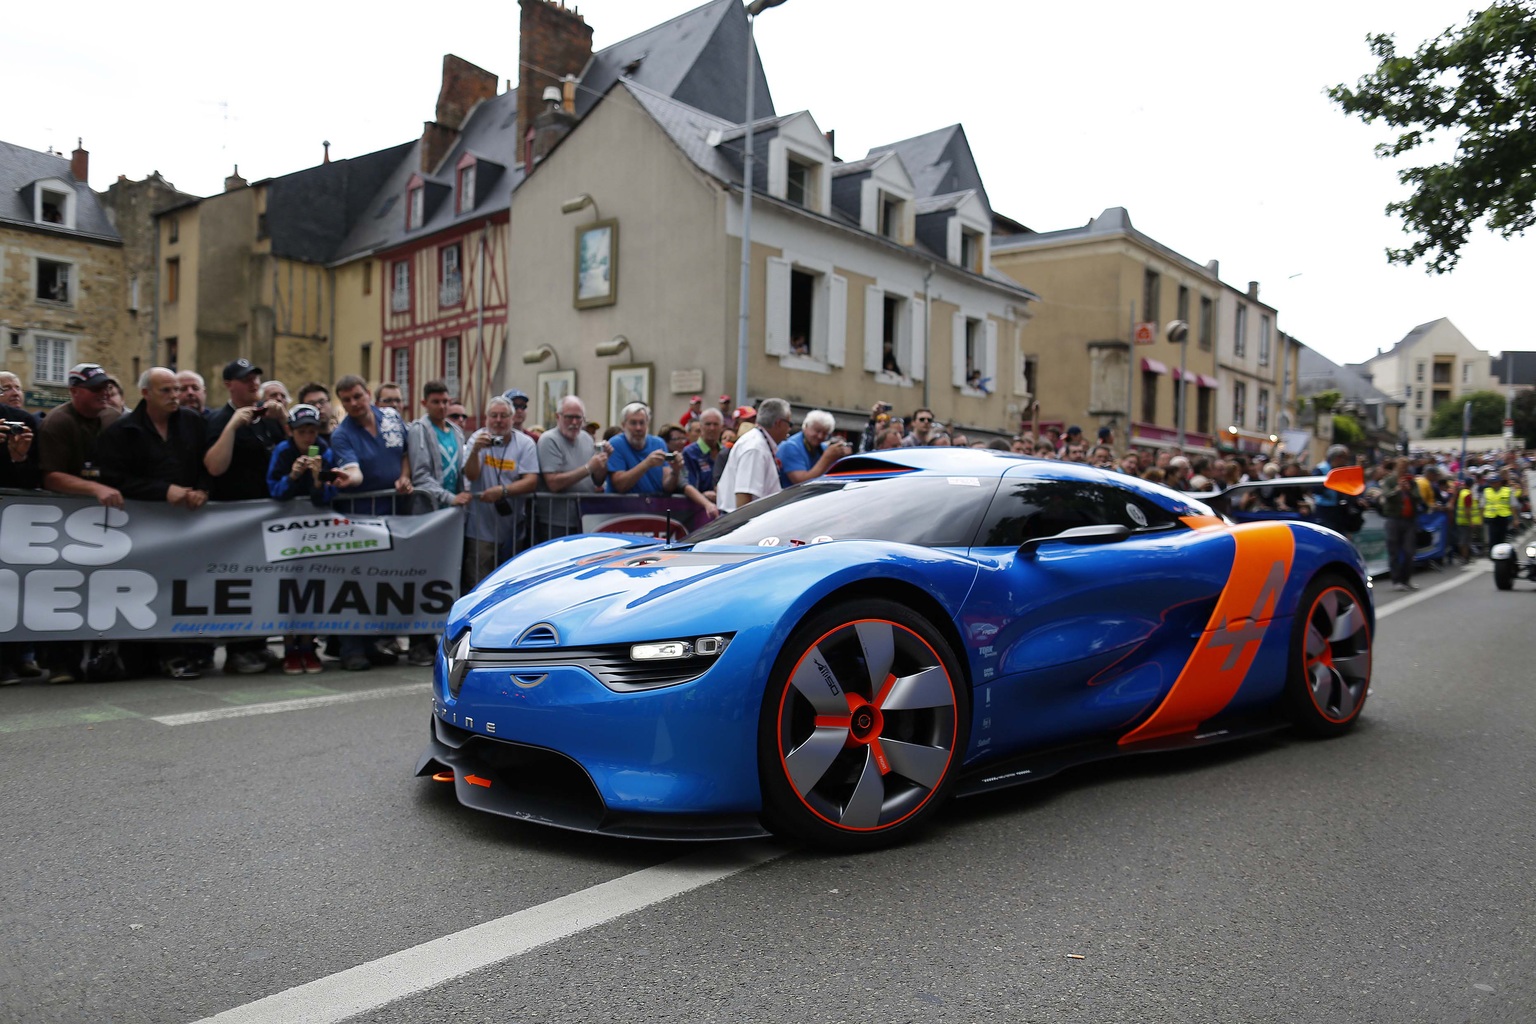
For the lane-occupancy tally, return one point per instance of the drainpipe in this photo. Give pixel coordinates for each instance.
(927, 333)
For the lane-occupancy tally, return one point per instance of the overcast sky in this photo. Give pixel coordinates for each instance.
(1207, 121)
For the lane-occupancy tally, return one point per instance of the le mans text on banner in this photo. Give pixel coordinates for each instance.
(71, 569)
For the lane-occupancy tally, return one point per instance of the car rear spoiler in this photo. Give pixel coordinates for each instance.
(1348, 480)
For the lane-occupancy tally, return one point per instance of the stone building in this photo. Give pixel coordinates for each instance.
(131, 206)
(61, 273)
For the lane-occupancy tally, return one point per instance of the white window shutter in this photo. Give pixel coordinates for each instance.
(837, 320)
(874, 322)
(918, 361)
(989, 359)
(957, 348)
(776, 307)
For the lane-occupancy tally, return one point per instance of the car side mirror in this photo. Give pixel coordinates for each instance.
(1110, 534)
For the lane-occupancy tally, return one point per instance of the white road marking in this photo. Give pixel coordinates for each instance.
(298, 704)
(403, 974)
(1467, 575)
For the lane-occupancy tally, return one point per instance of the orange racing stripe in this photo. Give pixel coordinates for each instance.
(1226, 650)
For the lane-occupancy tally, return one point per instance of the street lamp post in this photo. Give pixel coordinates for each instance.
(1178, 333)
(754, 8)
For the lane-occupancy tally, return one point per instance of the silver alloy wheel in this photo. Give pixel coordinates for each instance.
(867, 725)
(1337, 654)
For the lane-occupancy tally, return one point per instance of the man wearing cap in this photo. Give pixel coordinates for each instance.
(1073, 436)
(242, 436)
(519, 402)
(155, 452)
(695, 406)
(294, 473)
(68, 437)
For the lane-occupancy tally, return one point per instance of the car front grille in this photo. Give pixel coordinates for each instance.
(610, 663)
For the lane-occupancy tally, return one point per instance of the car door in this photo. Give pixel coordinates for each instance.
(1080, 637)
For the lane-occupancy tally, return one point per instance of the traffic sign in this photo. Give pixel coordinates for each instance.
(1145, 333)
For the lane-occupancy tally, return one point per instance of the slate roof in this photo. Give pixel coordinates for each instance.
(693, 131)
(20, 167)
(1114, 220)
(1518, 368)
(310, 212)
(696, 57)
(490, 133)
(1316, 372)
(939, 162)
(1406, 341)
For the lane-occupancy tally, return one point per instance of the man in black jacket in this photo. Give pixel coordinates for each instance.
(18, 469)
(155, 453)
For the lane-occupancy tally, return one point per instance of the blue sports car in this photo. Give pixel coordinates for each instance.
(833, 662)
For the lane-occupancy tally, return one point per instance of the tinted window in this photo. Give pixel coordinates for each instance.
(1043, 508)
(931, 511)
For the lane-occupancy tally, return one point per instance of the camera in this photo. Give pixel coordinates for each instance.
(497, 439)
(327, 475)
(503, 507)
(884, 406)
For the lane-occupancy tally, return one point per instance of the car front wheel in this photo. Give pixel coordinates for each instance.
(1330, 671)
(863, 727)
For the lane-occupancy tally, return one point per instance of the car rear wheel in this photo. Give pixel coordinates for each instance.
(863, 727)
(1330, 671)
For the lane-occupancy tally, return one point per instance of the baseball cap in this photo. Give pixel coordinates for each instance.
(89, 375)
(745, 412)
(1074, 429)
(1105, 432)
(240, 369)
(303, 415)
(514, 396)
(695, 398)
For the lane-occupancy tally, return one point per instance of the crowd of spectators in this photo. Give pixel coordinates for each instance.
(517, 483)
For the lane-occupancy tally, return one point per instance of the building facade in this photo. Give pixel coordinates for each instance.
(1433, 364)
(61, 274)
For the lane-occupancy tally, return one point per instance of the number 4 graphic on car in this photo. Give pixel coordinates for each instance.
(1236, 636)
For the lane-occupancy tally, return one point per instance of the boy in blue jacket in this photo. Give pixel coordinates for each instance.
(302, 466)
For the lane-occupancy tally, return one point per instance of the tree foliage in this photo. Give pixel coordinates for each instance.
(1347, 430)
(1487, 415)
(1476, 85)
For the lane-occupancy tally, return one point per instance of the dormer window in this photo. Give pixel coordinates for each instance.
(465, 194)
(890, 216)
(799, 187)
(970, 249)
(54, 203)
(415, 206)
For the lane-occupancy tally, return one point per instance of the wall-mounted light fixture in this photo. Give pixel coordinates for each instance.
(543, 352)
(614, 347)
(581, 202)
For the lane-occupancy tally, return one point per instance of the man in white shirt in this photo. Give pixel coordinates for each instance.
(752, 471)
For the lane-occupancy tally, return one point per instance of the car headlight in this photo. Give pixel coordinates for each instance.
(456, 658)
(671, 650)
(1530, 551)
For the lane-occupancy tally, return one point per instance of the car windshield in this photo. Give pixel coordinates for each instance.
(922, 509)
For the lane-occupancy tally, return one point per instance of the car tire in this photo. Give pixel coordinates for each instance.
(1504, 573)
(863, 727)
(1329, 676)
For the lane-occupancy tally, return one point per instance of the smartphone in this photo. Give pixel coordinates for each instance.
(314, 451)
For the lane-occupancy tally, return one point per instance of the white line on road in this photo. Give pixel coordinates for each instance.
(298, 704)
(399, 975)
(1468, 574)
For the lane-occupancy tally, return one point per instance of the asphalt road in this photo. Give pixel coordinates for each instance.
(161, 868)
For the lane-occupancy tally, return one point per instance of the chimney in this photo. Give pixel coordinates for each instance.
(552, 43)
(1253, 290)
(552, 125)
(1214, 268)
(80, 162)
(234, 181)
(464, 85)
(327, 145)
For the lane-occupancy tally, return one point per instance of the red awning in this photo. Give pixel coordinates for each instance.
(1205, 382)
(1153, 366)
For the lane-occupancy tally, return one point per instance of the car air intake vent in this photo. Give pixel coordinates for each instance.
(541, 635)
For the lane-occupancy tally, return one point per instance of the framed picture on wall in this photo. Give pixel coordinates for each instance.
(597, 264)
(553, 385)
(627, 384)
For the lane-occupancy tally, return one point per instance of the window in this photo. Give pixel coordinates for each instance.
(1418, 398)
(799, 187)
(133, 293)
(1263, 344)
(1031, 368)
(1149, 396)
(450, 277)
(892, 358)
(51, 359)
(1418, 371)
(970, 250)
(466, 196)
(1181, 389)
(1240, 403)
(53, 281)
(400, 371)
(890, 217)
(368, 277)
(172, 353)
(451, 366)
(172, 279)
(975, 355)
(1466, 373)
(415, 207)
(806, 314)
(1203, 410)
(1442, 373)
(1240, 333)
(53, 206)
(1183, 313)
(802, 297)
(365, 360)
(1032, 510)
(1206, 322)
(54, 203)
(1151, 288)
(1263, 423)
(173, 229)
(400, 291)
